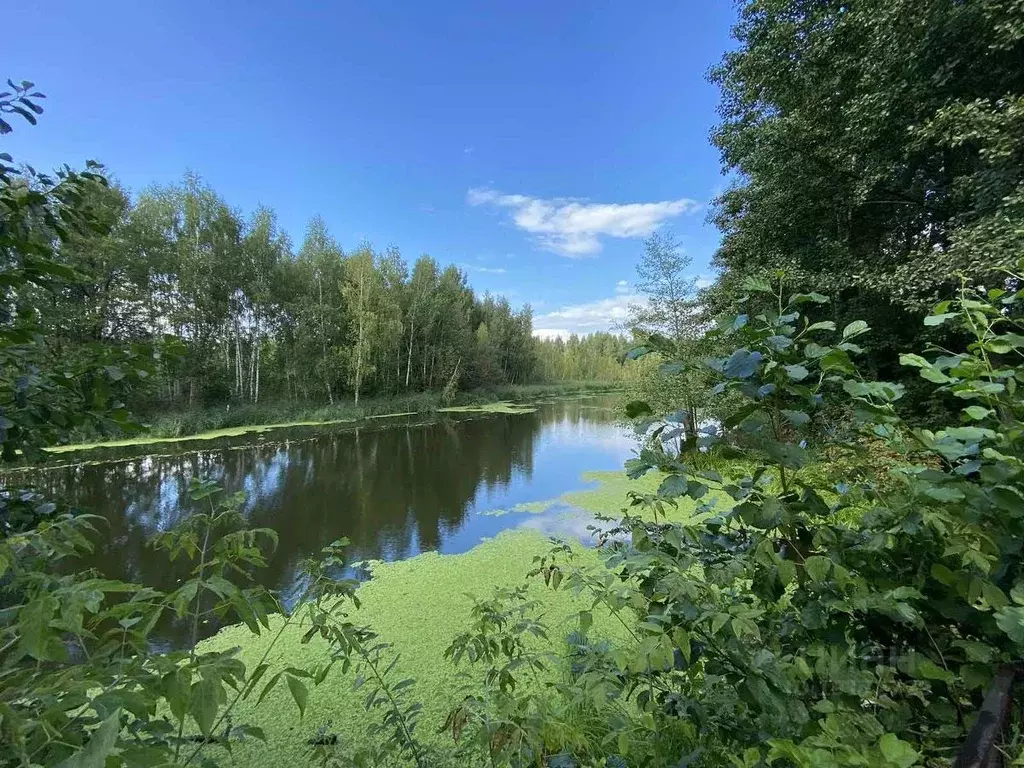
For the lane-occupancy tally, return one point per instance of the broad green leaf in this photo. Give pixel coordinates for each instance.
(896, 752)
(1011, 621)
(854, 329)
(757, 284)
(718, 621)
(672, 369)
(765, 514)
(100, 744)
(1017, 593)
(926, 669)
(977, 412)
(818, 567)
(672, 487)
(821, 325)
(206, 697)
(787, 572)
(914, 361)
(837, 360)
(1008, 498)
(695, 490)
(178, 691)
(787, 454)
(939, 319)
(742, 364)
(796, 372)
(255, 677)
(801, 298)
(944, 493)
(586, 620)
(38, 637)
(815, 351)
(299, 692)
(934, 375)
(796, 418)
(744, 628)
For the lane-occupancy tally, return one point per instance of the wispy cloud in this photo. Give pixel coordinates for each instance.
(551, 333)
(574, 228)
(485, 270)
(602, 315)
(703, 281)
(609, 314)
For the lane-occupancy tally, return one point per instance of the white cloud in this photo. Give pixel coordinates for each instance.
(607, 314)
(703, 281)
(590, 317)
(487, 270)
(573, 228)
(552, 333)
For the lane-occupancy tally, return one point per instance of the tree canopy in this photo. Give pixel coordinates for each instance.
(876, 152)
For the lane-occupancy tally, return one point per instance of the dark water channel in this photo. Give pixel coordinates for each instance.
(394, 488)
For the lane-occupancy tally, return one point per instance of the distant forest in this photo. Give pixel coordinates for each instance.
(244, 316)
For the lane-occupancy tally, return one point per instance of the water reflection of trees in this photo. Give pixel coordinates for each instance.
(392, 491)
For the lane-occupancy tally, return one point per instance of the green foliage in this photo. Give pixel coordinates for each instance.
(259, 321)
(594, 357)
(253, 319)
(80, 682)
(809, 623)
(21, 100)
(847, 624)
(876, 151)
(669, 322)
(45, 392)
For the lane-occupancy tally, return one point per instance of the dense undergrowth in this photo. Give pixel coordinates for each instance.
(775, 592)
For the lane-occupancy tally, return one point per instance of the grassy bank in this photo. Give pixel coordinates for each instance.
(419, 605)
(223, 421)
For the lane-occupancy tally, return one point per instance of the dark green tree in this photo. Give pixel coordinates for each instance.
(874, 152)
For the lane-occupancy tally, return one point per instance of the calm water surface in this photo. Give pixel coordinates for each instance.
(394, 488)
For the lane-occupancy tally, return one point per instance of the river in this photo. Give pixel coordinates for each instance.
(393, 487)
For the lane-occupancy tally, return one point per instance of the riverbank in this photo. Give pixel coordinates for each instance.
(223, 421)
(419, 606)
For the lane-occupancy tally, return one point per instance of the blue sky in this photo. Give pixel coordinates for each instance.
(532, 143)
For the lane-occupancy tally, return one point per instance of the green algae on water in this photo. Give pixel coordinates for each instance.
(418, 605)
(504, 406)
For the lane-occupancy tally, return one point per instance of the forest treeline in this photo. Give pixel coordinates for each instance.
(251, 318)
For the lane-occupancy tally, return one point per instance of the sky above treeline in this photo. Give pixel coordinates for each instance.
(534, 144)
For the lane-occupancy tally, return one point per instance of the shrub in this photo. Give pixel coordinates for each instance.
(787, 630)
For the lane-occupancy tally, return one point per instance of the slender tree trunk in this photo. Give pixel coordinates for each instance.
(408, 356)
(323, 340)
(238, 361)
(359, 343)
(252, 367)
(256, 394)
